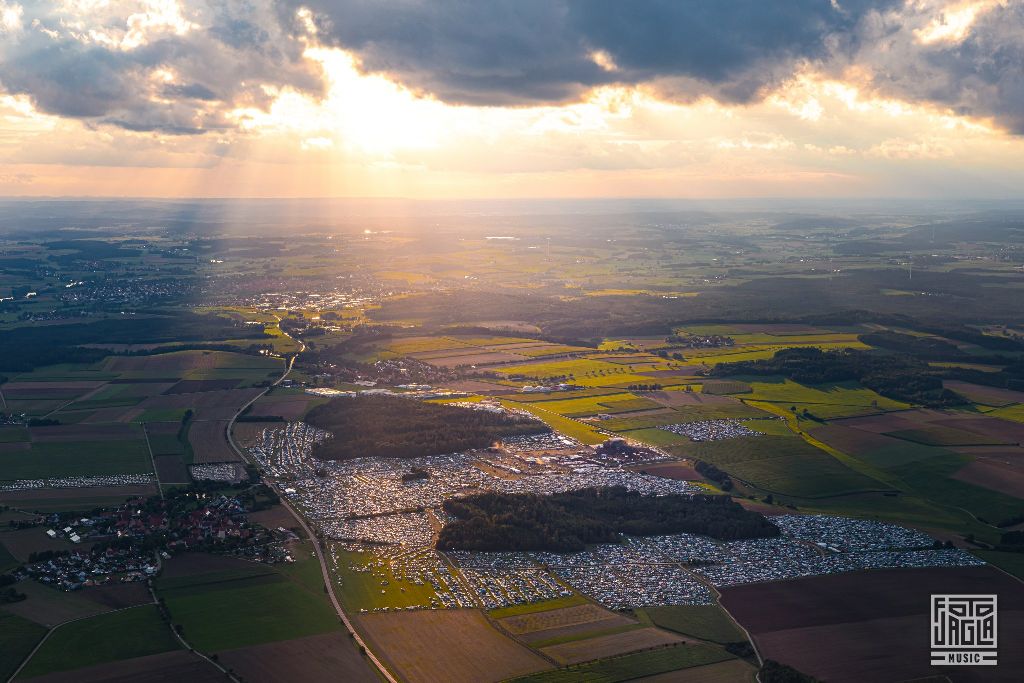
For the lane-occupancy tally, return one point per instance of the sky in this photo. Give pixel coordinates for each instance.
(458, 99)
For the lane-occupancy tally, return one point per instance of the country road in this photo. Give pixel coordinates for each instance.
(318, 548)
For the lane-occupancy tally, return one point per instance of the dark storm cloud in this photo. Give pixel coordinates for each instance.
(523, 51)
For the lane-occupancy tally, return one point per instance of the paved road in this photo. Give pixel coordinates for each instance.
(321, 555)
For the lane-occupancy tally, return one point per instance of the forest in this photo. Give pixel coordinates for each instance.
(568, 522)
(894, 376)
(395, 427)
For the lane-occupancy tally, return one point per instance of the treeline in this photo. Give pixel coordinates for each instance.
(394, 427)
(899, 377)
(568, 522)
(712, 473)
(28, 347)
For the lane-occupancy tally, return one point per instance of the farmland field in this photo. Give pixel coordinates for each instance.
(18, 636)
(782, 465)
(126, 634)
(706, 622)
(231, 609)
(827, 626)
(451, 645)
(632, 666)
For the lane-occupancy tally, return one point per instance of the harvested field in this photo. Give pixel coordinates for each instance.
(171, 470)
(732, 671)
(608, 646)
(80, 498)
(1002, 431)
(871, 625)
(447, 645)
(118, 595)
(49, 606)
(880, 424)
(558, 618)
(273, 517)
(246, 433)
(478, 387)
(105, 415)
(191, 386)
(23, 542)
(934, 434)
(177, 362)
(85, 432)
(192, 564)
(681, 371)
(209, 442)
(289, 406)
(994, 474)
(314, 659)
(674, 399)
(81, 386)
(486, 358)
(207, 405)
(673, 470)
(167, 667)
(979, 393)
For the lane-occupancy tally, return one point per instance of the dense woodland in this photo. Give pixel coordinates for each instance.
(24, 348)
(898, 377)
(394, 427)
(567, 522)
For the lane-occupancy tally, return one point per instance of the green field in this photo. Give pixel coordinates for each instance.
(363, 590)
(17, 636)
(580, 431)
(634, 666)
(13, 434)
(780, 464)
(707, 622)
(7, 561)
(133, 632)
(84, 458)
(225, 610)
(1011, 563)
(931, 478)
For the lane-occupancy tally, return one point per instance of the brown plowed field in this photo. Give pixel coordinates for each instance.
(672, 470)
(85, 432)
(732, 671)
(990, 396)
(994, 474)
(674, 399)
(609, 646)
(328, 657)
(874, 625)
(558, 618)
(454, 646)
(1000, 430)
(207, 405)
(209, 442)
(167, 667)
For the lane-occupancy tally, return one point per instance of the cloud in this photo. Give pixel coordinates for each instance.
(964, 54)
(975, 68)
(529, 51)
(154, 65)
(186, 67)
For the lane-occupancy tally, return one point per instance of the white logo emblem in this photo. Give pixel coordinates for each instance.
(963, 629)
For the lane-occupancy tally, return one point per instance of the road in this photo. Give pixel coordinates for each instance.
(317, 546)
